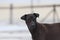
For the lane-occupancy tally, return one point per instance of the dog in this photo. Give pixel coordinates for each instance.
(40, 31)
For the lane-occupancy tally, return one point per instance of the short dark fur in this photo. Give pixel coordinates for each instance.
(41, 31)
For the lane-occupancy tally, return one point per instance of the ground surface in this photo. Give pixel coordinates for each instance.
(14, 32)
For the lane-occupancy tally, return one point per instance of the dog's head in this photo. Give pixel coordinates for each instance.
(30, 19)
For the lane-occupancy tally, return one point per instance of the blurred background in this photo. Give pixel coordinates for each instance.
(11, 25)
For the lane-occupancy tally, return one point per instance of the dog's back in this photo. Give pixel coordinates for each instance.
(53, 31)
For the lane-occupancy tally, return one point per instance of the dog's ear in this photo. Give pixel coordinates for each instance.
(36, 14)
(24, 17)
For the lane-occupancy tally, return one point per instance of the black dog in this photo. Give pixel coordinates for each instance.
(41, 31)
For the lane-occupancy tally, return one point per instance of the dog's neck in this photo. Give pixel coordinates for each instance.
(33, 28)
(34, 31)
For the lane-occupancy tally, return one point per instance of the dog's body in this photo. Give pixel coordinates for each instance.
(41, 31)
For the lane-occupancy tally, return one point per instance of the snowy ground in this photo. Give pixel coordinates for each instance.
(14, 32)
